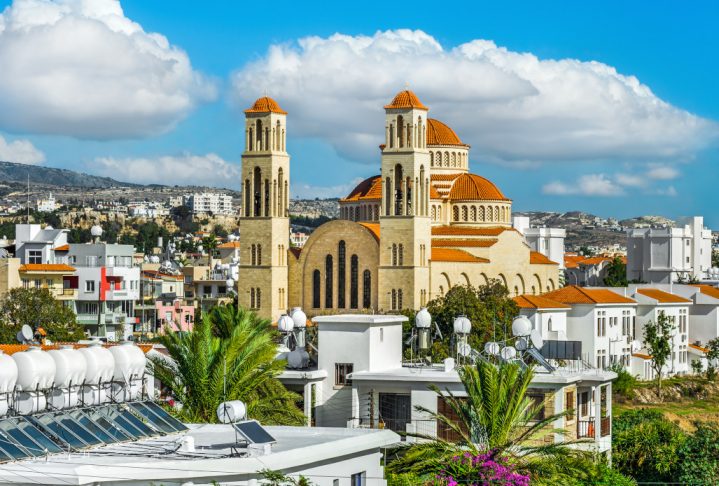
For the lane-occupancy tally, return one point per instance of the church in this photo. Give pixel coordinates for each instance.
(405, 236)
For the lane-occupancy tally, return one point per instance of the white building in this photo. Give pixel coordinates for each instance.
(47, 205)
(209, 202)
(362, 381)
(35, 244)
(602, 320)
(668, 255)
(298, 238)
(547, 316)
(547, 241)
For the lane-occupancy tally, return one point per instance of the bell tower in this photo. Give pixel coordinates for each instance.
(264, 222)
(405, 228)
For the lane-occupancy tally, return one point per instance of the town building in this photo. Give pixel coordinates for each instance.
(47, 205)
(547, 241)
(209, 202)
(587, 271)
(666, 255)
(405, 236)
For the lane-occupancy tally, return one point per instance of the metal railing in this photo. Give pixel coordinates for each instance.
(586, 428)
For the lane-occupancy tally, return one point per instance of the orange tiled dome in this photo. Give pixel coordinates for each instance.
(406, 99)
(471, 187)
(370, 188)
(266, 105)
(440, 134)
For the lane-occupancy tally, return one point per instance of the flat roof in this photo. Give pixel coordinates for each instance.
(156, 460)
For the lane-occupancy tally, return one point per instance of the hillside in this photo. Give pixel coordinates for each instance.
(14, 172)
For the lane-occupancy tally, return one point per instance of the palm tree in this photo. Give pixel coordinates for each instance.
(497, 416)
(229, 355)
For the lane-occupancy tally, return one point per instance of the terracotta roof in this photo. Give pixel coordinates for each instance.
(16, 348)
(662, 297)
(473, 187)
(572, 261)
(373, 227)
(708, 290)
(230, 244)
(46, 267)
(62, 248)
(406, 99)
(370, 188)
(698, 348)
(454, 255)
(583, 295)
(469, 230)
(464, 242)
(642, 355)
(440, 134)
(527, 301)
(594, 260)
(265, 105)
(537, 258)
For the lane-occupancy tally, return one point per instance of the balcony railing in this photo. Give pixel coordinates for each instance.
(586, 428)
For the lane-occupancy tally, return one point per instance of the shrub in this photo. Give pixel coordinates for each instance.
(482, 468)
(698, 457)
(625, 382)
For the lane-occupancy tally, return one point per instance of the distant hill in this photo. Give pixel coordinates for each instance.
(14, 172)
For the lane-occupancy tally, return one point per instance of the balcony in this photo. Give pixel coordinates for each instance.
(64, 294)
(585, 428)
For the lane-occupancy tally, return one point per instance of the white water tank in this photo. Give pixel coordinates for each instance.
(100, 364)
(299, 317)
(521, 326)
(70, 366)
(285, 323)
(8, 373)
(130, 364)
(462, 325)
(422, 320)
(36, 369)
(232, 411)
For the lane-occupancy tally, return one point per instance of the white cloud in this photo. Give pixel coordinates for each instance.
(185, 169)
(83, 69)
(21, 151)
(509, 106)
(302, 190)
(662, 172)
(587, 185)
(630, 180)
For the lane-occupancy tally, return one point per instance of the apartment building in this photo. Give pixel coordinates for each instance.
(209, 202)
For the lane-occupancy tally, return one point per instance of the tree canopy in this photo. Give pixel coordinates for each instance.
(616, 275)
(37, 308)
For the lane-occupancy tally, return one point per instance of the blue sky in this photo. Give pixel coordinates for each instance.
(634, 132)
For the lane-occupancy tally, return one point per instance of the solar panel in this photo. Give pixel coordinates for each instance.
(253, 432)
(61, 435)
(162, 413)
(11, 449)
(152, 418)
(37, 436)
(23, 440)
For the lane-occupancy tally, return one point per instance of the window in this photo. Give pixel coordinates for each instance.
(366, 289)
(328, 282)
(358, 479)
(569, 404)
(341, 372)
(316, 298)
(34, 256)
(354, 284)
(537, 398)
(341, 261)
(89, 285)
(400, 250)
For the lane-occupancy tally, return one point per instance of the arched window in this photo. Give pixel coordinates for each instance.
(455, 213)
(278, 136)
(481, 213)
(258, 133)
(398, 190)
(400, 251)
(316, 283)
(328, 282)
(366, 289)
(400, 130)
(267, 197)
(394, 254)
(252, 298)
(434, 213)
(280, 198)
(354, 283)
(473, 213)
(464, 213)
(341, 260)
(251, 137)
(496, 213)
(257, 189)
(248, 198)
(258, 294)
(394, 300)
(399, 300)
(454, 159)
(254, 255)
(446, 159)
(259, 254)
(431, 159)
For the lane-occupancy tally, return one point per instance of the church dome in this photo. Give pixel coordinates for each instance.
(370, 188)
(440, 134)
(266, 105)
(471, 187)
(406, 99)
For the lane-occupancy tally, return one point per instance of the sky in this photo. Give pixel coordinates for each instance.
(605, 107)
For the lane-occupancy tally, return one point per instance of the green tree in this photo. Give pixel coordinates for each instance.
(712, 356)
(497, 416)
(37, 308)
(645, 446)
(229, 355)
(657, 340)
(698, 456)
(715, 258)
(488, 307)
(586, 251)
(616, 275)
(210, 244)
(219, 231)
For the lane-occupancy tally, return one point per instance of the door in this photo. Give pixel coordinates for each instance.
(395, 411)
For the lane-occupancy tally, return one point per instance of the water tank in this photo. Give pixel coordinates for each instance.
(100, 364)
(462, 325)
(298, 359)
(423, 319)
(36, 369)
(299, 317)
(70, 366)
(285, 323)
(232, 411)
(130, 361)
(8, 373)
(521, 326)
(96, 230)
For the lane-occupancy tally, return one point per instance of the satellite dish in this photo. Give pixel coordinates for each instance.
(492, 348)
(25, 334)
(464, 349)
(508, 352)
(521, 344)
(536, 338)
